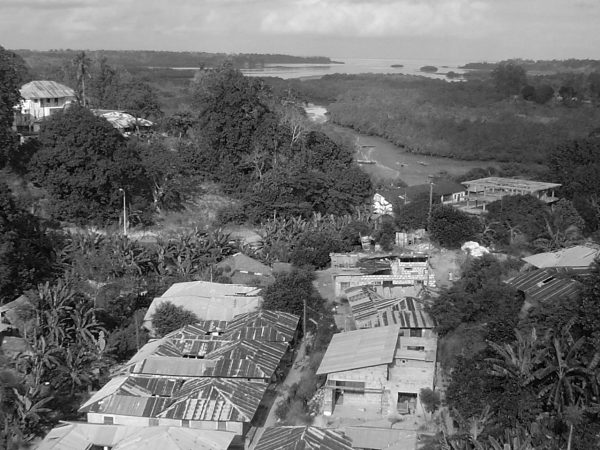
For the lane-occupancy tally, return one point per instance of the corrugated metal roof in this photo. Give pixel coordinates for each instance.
(46, 89)
(173, 366)
(548, 284)
(122, 120)
(240, 262)
(263, 325)
(370, 309)
(208, 308)
(217, 399)
(381, 438)
(129, 405)
(80, 436)
(302, 438)
(264, 356)
(176, 438)
(107, 390)
(510, 184)
(209, 289)
(360, 348)
(577, 256)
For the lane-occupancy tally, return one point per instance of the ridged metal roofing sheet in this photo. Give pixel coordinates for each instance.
(302, 437)
(217, 399)
(45, 89)
(577, 256)
(360, 348)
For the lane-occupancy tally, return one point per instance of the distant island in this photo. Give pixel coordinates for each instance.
(429, 69)
(164, 59)
(397, 65)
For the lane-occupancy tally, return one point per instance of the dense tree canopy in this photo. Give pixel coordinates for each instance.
(289, 292)
(517, 215)
(509, 78)
(82, 163)
(576, 165)
(169, 317)
(12, 72)
(26, 253)
(452, 227)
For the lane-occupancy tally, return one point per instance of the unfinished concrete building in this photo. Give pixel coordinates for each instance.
(483, 191)
(390, 275)
(383, 373)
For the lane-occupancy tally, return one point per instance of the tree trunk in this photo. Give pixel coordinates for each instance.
(570, 437)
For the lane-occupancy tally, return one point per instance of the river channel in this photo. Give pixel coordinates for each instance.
(392, 162)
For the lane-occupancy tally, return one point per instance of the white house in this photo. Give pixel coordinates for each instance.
(42, 98)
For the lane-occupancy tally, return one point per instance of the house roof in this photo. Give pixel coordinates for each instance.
(45, 89)
(216, 399)
(263, 325)
(247, 359)
(176, 438)
(510, 184)
(577, 256)
(80, 436)
(381, 438)
(223, 308)
(172, 366)
(368, 306)
(302, 438)
(242, 263)
(547, 284)
(10, 310)
(208, 289)
(391, 193)
(361, 348)
(122, 120)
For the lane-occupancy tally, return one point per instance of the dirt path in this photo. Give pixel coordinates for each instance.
(293, 376)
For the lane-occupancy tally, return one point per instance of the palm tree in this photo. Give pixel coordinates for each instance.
(520, 360)
(570, 385)
(82, 64)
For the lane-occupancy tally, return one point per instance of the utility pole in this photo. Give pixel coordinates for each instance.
(304, 320)
(430, 201)
(124, 212)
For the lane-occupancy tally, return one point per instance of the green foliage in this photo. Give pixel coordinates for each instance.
(509, 78)
(82, 164)
(517, 215)
(430, 399)
(313, 249)
(280, 234)
(479, 298)
(413, 215)
(169, 317)
(230, 109)
(386, 235)
(576, 165)
(12, 70)
(27, 256)
(452, 227)
(171, 180)
(289, 292)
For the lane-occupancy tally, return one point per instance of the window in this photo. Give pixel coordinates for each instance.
(185, 423)
(222, 426)
(153, 422)
(416, 332)
(109, 420)
(418, 348)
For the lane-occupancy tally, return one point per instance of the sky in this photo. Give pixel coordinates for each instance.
(454, 30)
